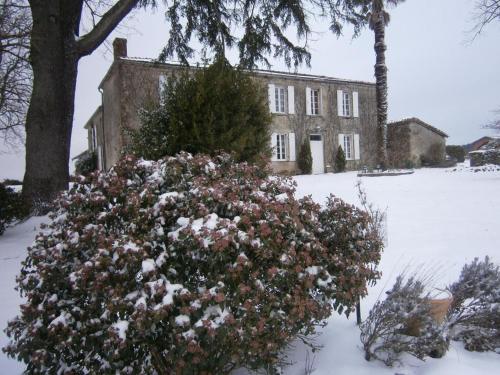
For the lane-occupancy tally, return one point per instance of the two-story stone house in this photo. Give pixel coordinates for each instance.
(327, 112)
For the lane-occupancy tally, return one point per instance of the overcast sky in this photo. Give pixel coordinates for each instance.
(435, 72)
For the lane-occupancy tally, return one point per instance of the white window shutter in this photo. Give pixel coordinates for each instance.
(291, 146)
(272, 105)
(291, 100)
(162, 81)
(355, 108)
(308, 100)
(340, 103)
(99, 158)
(356, 147)
(274, 156)
(341, 141)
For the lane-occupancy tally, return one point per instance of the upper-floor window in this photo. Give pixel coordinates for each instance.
(346, 105)
(315, 101)
(279, 99)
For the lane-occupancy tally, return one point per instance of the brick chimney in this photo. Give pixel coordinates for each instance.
(119, 48)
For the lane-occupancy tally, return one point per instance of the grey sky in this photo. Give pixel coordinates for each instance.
(434, 72)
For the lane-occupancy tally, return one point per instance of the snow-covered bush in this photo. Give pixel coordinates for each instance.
(474, 315)
(403, 323)
(188, 265)
(356, 245)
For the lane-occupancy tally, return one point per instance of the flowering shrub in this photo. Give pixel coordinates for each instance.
(188, 265)
(356, 245)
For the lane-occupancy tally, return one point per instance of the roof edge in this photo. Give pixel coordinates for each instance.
(154, 62)
(420, 122)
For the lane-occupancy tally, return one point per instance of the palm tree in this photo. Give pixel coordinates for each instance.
(378, 19)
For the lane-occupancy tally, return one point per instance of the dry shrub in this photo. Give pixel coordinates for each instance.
(403, 323)
(474, 316)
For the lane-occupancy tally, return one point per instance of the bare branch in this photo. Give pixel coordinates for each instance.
(485, 12)
(494, 124)
(15, 71)
(93, 39)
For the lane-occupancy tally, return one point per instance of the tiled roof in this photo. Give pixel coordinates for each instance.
(410, 120)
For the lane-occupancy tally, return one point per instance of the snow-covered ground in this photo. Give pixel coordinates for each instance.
(13, 246)
(438, 220)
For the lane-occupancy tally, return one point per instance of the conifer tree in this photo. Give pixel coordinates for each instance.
(219, 108)
(256, 28)
(340, 160)
(305, 158)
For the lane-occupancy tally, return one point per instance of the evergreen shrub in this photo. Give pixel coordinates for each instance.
(340, 161)
(216, 108)
(11, 207)
(305, 158)
(87, 163)
(457, 152)
(187, 265)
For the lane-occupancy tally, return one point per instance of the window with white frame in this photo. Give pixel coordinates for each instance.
(279, 99)
(281, 142)
(346, 104)
(315, 99)
(348, 146)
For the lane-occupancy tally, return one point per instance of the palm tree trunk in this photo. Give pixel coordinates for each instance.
(381, 88)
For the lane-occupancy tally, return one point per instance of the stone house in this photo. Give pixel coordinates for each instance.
(488, 153)
(412, 141)
(477, 144)
(327, 112)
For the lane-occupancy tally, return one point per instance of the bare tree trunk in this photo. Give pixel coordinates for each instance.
(55, 52)
(54, 59)
(381, 88)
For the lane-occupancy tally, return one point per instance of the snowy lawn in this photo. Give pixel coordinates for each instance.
(13, 246)
(437, 221)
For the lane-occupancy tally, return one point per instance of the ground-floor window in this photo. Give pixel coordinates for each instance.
(348, 146)
(281, 141)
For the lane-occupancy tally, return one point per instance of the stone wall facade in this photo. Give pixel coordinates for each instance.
(411, 141)
(130, 84)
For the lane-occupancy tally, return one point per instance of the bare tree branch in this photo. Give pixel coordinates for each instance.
(93, 39)
(485, 12)
(15, 71)
(495, 124)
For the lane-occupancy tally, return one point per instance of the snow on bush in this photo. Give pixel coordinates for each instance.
(403, 323)
(188, 265)
(474, 315)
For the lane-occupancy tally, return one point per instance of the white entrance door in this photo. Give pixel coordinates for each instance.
(316, 141)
